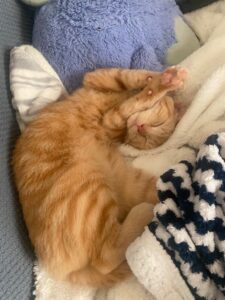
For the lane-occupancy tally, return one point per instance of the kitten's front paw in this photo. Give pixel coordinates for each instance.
(173, 77)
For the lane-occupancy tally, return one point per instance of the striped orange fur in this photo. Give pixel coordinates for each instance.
(82, 203)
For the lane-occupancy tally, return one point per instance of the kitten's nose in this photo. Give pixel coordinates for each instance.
(141, 128)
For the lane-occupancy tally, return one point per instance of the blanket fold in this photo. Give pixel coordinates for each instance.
(33, 83)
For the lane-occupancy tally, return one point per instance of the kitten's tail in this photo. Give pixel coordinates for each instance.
(92, 277)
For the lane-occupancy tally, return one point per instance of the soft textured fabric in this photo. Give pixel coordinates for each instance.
(190, 5)
(204, 90)
(189, 225)
(206, 115)
(15, 250)
(33, 83)
(190, 220)
(82, 35)
(185, 5)
(186, 43)
(35, 2)
(47, 288)
(154, 268)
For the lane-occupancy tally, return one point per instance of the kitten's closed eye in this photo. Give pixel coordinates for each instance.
(156, 124)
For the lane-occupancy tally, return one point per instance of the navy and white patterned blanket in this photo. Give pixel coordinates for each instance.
(190, 220)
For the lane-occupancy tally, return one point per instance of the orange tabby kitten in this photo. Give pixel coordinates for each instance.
(82, 203)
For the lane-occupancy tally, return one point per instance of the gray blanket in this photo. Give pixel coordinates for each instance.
(15, 251)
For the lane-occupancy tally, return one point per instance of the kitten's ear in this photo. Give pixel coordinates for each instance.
(181, 109)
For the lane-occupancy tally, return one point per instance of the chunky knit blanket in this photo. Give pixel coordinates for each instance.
(181, 254)
(190, 220)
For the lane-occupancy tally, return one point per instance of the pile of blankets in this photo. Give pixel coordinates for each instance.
(181, 254)
(190, 226)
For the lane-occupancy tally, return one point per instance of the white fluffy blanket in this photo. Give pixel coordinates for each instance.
(204, 90)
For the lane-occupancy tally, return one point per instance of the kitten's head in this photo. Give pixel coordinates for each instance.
(151, 128)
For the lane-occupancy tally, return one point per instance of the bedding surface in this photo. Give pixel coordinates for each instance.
(205, 93)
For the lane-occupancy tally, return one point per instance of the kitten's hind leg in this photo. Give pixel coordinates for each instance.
(118, 80)
(135, 187)
(120, 236)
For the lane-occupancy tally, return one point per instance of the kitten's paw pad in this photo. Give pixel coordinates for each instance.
(173, 77)
(149, 78)
(144, 80)
(146, 94)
